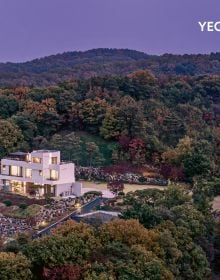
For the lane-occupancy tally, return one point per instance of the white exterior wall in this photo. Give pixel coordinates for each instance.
(66, 171)
(78, 189)
(25, 165)
(64, 189)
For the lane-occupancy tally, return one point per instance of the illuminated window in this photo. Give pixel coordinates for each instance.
(54, 175)
(28, 157)
(28, 173)
(15, 171)
(3, 167)
(54, 160)
(36, 160)
(40, 173)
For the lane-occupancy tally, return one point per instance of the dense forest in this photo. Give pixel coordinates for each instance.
(110, 108)
(100, 62)
(169, 122)
(161, 235)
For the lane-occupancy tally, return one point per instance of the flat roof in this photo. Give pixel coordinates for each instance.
(18, 154)
(45, 151)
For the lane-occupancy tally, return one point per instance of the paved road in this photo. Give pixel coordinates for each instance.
(84, 209)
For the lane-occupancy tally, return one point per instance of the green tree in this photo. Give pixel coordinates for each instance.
(29, 128)
(110, 128)
(198, 163)
(131, 118)
(184, 258)
(10, 137)
(141, 205)
(203, 196)
(94, 157)
(72, 147)
(9, 106)
(69, 145)
(174, 196)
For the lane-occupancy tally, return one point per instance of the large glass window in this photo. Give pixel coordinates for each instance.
(54, 160)
(28, 173)
(36, 160)
(54, 175)
(15, 171)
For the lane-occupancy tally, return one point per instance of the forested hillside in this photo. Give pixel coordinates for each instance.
(172, 123)
(124, 115)
(101, 62)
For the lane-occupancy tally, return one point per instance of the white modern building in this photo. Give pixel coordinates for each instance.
(38, 173)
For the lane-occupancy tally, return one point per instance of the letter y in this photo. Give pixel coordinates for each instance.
(202, 25)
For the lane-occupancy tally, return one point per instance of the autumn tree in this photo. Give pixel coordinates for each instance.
(137, 151)
(175, 156)
(140, 84)
(92, 113)
(71, 243)
(172, 172)
(14, 267)
(64, 272)
(38, 109)
(115, 186)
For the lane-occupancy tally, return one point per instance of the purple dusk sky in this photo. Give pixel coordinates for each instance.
(35, 28)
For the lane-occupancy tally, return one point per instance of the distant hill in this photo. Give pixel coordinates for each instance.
(100, 62)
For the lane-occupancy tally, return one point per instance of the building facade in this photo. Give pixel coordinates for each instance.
(38, 173)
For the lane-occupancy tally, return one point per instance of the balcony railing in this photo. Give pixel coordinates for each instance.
(65, 162)
(52, 179)
(16, 158)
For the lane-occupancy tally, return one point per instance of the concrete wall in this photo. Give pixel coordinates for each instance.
(105, 193)
(64, 189)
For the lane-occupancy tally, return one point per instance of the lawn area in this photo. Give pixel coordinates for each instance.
(131, 187)
(16, 212)
(128, 187)
(33, 206)
(17, 199)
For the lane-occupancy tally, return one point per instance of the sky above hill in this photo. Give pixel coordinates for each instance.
(36, 28)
